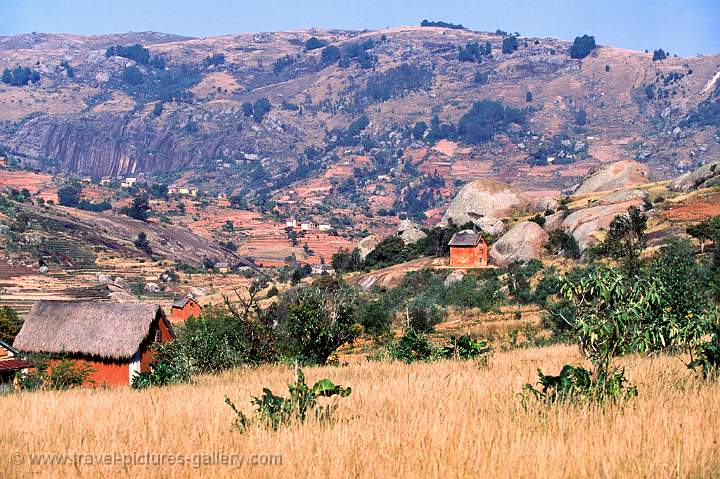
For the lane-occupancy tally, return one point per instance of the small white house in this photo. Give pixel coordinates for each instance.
(324, 227)
(307, 226)
(291, 224)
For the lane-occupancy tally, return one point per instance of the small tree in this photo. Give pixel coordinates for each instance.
(142, 243)
(138, 209)
(582, 46)
(319, 320)
(626, 239)
(10, 324)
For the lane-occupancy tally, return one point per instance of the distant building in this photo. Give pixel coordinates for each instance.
(173, 190)
(324, 227)
(86, 180)
(114, 339)
(10, 363)
(193, 191)
(222, 267)
(291, 224)
(183, 308)
(3, 162)
(468, 250)
(307, 226)
(105, 180)
(320, 269)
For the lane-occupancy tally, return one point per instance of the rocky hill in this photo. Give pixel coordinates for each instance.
(366, 121)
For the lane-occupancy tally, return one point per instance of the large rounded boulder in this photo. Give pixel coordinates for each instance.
(618, 175)
(585, 224)
(484, 198)
(367, 244)
(706, 175)
(524, 241)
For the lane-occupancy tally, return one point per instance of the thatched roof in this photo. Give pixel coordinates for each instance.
(107, 330)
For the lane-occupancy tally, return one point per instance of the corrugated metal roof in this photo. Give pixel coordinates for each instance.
(465, 239)
(12, 364)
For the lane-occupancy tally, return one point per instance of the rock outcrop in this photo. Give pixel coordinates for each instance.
(541, 205)
(622, 196)
(410, 232)
(706, 175)
(554, 221)
(586, 223)
(367, 244)
(524, 241)
(484, 198)
(491, 226)
(621, 174)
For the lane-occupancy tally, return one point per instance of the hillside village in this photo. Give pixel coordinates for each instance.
(451, 215)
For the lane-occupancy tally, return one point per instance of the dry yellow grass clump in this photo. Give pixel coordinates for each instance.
(446, 419)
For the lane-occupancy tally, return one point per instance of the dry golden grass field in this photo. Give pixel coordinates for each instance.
(444, 419)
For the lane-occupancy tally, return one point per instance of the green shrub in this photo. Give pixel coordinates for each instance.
(375, 318)
(577, 384)
(464, 347)
(274, 411)
(410, 347)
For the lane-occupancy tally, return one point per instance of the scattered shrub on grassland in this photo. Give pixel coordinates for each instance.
(273, 412)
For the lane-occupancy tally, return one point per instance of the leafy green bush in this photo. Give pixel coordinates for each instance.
(274, 411)
(464, 347)
(161, 374)
(410, 347)
(577, 384)
(375, 318)
(52, 372)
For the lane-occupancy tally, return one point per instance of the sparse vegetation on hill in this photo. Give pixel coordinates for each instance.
(428, 23)
(20, 76)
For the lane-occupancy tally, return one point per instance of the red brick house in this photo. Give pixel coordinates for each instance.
(114, 339)
(183, 308)
(468, 250)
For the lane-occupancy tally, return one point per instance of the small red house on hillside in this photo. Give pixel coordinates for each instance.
(468, 250)
(114, 339)
(183, 308)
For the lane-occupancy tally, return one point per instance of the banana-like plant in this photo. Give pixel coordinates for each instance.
(275, 411)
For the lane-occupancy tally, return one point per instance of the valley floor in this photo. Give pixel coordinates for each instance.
(443, 419)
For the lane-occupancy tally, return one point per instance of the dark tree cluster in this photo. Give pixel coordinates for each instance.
(20, 76)
(397, 81)
(135, 52)
(169, 84)
(486, 118)
(509, 44)
(582, 46)
(70, 196)
(313, 43)
(473, 52)
(214, 60)
(351, 135)
(659, 54)
(281, 63)
(441, 24)
(257, 110)
(68, 69)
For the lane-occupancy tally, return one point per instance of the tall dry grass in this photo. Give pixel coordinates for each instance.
(443, 419)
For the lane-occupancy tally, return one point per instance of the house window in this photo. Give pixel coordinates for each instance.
(158, 335)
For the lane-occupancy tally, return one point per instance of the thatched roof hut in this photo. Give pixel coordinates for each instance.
(104, 330)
